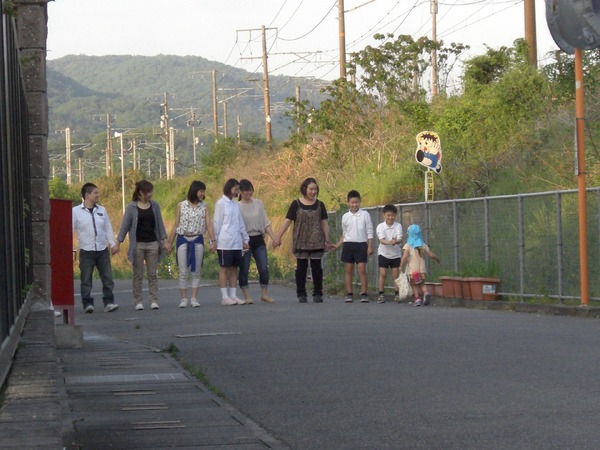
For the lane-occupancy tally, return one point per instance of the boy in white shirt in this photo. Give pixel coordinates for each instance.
(389, 233)
(357, 237)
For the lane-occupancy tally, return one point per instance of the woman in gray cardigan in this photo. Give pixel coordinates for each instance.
(147, 241)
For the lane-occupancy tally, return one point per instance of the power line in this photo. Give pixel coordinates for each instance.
(314, 28)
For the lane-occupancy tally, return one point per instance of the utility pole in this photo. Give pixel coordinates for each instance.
(215, 113)
(239, 131)
(342, 39)
(108, 147)
(194, 145)
(214, 98)
(266, 94)
(225, 120)
(298, 108)
(530, 32)
(135, 164)
(267, 97)
(434, 67)
(172, 155)
(68, 154)
(164, 123)
(80, 169)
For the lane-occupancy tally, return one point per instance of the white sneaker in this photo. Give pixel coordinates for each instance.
(184, 303)
(195, 303)
(154, 305)
(228, 302)
(111, 307)
(139, 307)
(239, 301)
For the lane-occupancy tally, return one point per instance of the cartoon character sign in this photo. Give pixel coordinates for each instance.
(429, 150)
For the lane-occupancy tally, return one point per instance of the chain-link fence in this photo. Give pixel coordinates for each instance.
(529, 241)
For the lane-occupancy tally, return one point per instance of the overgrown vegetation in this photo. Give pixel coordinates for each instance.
(197, 372)
(507, 128)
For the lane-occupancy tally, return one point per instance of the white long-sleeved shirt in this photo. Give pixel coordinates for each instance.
(357, 227)
(388, 233)
(228, 225)
(93, 229)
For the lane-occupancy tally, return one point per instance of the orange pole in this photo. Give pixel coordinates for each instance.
(580, 126)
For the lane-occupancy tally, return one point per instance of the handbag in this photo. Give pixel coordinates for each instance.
(404, 289)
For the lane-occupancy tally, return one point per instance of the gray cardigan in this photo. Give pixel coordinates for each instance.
(129, 225)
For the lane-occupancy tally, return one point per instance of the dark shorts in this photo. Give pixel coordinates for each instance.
(354, 252)
(229, 258)
(388, 263)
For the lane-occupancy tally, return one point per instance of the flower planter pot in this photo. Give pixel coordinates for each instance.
(465, 285)
(456, 287)
(484, 288)
(447, 287)
(435, 289)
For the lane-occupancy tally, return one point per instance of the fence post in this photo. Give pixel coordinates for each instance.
(559, 246)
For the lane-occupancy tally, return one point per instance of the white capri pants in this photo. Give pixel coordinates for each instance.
(184, 270)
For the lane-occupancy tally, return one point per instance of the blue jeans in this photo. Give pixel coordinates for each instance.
(260, 257)
(87, 262)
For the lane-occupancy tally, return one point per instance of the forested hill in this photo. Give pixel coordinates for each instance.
(131, 89)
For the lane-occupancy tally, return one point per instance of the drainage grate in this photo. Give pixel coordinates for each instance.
(135, 378)
(157, 425)
(144, 407)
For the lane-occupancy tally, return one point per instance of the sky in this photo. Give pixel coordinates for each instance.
(302, 35)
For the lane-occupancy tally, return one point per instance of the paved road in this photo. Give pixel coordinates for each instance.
(371, 376)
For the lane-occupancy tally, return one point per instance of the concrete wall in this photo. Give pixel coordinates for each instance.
(32, 25)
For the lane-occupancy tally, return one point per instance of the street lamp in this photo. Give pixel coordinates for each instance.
(120, 136)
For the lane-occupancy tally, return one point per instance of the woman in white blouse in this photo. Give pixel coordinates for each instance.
(192, 223)
(257, 224)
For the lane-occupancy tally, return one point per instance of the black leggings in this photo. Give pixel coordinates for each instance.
(316, 268)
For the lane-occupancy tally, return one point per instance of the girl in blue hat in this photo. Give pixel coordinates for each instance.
(413, 254)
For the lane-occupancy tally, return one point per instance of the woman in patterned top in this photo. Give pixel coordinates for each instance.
(310, 238)
(192, 222)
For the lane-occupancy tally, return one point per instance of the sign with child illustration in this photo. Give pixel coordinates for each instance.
(429, 154)
(429, 150)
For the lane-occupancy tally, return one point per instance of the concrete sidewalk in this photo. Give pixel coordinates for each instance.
(113, 394)
(123, 395)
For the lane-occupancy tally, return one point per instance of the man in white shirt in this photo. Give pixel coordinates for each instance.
(94, 232)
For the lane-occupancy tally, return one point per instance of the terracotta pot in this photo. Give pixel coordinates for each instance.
(447, 288)
(457, 287)
(484, 288)
(466, 288)
(434, 289)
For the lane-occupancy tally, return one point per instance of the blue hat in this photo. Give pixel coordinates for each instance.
(415, 238)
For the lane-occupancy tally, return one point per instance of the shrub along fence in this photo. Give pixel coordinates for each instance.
(529, 241)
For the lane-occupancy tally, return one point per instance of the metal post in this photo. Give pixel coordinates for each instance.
(520, 218)
(68, 154)
(215, 112)
(122, 172)
(580, 125)
(194, 145)
(559, 246)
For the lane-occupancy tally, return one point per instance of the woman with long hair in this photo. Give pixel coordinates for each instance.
(147, 240)
(232, 239)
